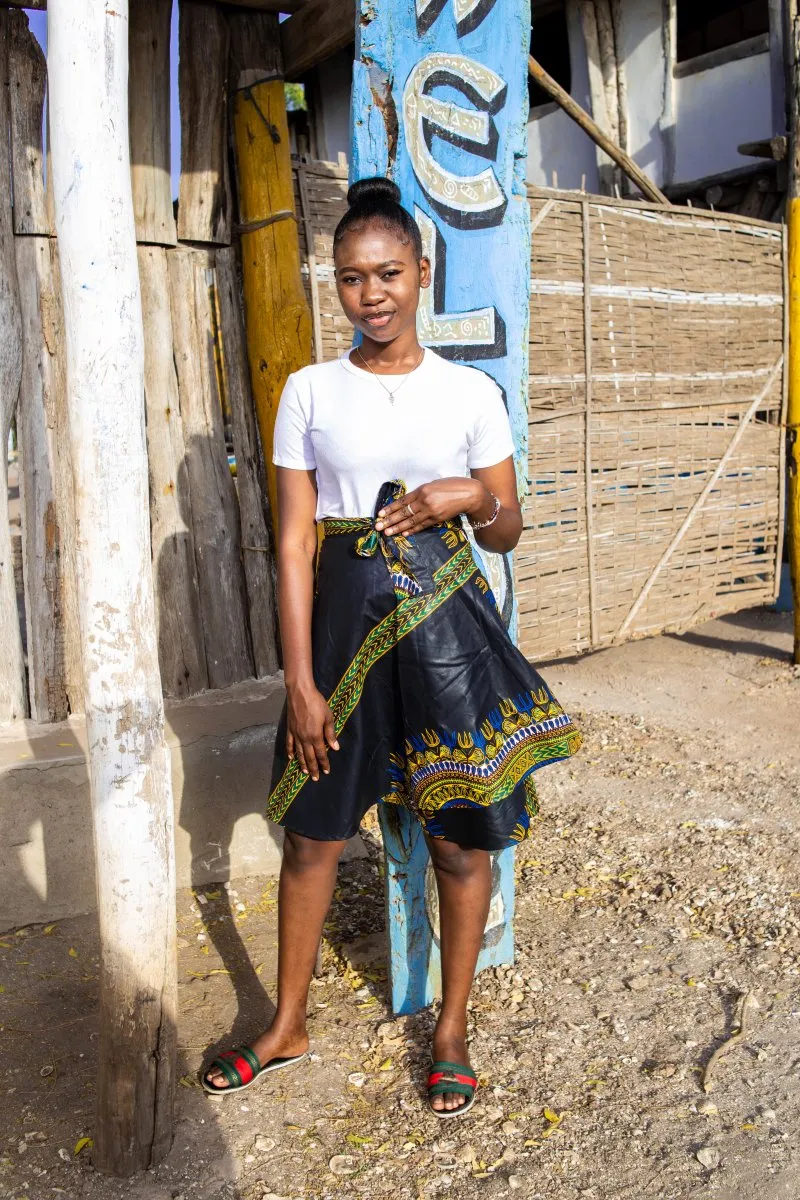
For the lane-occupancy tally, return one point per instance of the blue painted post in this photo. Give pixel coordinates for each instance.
(440, 103)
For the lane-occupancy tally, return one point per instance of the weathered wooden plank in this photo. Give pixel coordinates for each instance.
(318, 30)
(148, 115)
(215, 517)
(36, 421)
(55, 370)
(257, 547)
(27, 73)
(475, 226)
(181, 647)
(12, 670)
(204, 207)
(277, 317)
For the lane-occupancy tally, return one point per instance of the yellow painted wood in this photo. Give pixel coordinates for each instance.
(278, 320)
(793, 417)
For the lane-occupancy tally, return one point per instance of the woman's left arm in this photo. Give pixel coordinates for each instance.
(442, 499)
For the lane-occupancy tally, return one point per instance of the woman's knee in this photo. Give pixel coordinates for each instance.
(303, 854)
(456, 861)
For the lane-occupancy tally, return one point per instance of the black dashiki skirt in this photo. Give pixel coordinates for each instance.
(434, 707)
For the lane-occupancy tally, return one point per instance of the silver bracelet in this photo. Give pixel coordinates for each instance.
(492, 518)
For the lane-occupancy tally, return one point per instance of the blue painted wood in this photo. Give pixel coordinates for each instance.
(440, 103)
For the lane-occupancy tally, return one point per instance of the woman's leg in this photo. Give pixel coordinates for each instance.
(308, 877)
(464, 879)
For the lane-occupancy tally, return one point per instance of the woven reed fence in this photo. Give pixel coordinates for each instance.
(661, 383)
(656, 444)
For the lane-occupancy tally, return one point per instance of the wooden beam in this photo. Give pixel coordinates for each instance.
(776, 148)
(582, 118)
(128, 759)
(315, 33)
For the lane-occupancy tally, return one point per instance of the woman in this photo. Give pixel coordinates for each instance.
(401, 681)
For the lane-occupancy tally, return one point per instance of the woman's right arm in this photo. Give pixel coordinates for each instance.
(310, 731)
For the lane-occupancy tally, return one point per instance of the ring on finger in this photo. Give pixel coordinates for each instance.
(409, 510)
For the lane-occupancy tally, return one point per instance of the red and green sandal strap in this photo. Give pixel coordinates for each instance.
(238, 1066)
(451, 1077)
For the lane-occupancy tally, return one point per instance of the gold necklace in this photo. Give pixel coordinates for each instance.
(391, 392)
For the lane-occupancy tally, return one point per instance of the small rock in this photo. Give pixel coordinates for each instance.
(444, 1161)
(343, 1164)
(357, 1078)
(708, 1156)
(768, 1116)
(264, 1143)
(22, 1147)
(637, 983)
(45, 1071)
(514, 1182)
(466, 1154)
(707, 1108)
(64, 1155)
(517, 997)
(510, 1128)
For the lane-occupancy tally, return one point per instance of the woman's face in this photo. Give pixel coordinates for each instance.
(378, 278)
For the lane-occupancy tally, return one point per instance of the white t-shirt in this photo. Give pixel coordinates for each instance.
(336, 419)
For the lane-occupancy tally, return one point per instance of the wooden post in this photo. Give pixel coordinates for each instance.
(474, 217)
(12, 669)
(128, 759)
(148, 102)
(793, 413)
(277, 318)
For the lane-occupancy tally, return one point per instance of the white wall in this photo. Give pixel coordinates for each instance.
(335, 77)
(718, 109)
(555, 143)
(645, 74)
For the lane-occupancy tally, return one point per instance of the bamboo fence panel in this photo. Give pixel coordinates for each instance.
(656, 350)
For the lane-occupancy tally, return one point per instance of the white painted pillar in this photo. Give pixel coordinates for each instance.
(128, 760)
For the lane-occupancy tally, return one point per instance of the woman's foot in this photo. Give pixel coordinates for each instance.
(275, 1043)
(449, 1046)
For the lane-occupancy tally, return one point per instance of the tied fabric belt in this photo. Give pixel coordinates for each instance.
(404, 555)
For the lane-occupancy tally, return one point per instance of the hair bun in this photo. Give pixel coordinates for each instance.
(377, 190)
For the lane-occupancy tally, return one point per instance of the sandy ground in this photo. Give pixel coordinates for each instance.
(659, 889)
